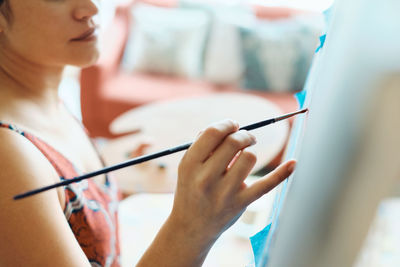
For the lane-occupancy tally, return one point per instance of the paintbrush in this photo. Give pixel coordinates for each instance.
(144, 158)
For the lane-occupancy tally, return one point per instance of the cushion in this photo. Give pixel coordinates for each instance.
(222, 57)
(166, 41)
(277, 54)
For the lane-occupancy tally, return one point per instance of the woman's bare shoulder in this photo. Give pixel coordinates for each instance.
(34, 228)
(22, 164)
(23, 167)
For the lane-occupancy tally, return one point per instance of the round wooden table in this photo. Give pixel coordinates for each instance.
(170, 123)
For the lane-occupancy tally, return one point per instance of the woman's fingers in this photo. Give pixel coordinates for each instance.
(211, 191)
(209, 140)
(227, 150)
(240, 169)
(267, 183)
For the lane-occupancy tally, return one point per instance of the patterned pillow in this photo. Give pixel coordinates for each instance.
(222, 56)
(166, 41)
(277, 54)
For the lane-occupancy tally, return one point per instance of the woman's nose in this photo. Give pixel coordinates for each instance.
(86, 9)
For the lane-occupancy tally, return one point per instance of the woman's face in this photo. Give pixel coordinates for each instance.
(52, 32)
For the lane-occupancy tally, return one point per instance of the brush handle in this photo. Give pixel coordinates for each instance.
(128, 163)
(145, 158)
(257, 125)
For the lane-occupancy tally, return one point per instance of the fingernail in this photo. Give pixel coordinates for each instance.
(291, 167)
(199, 134)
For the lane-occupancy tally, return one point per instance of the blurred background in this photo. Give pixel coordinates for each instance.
(188, 62)
(163, 49)
(185, 63)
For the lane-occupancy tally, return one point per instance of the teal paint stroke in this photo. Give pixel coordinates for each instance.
(322, 40)
(257, 243)
(261, 242)
(328, 19)
(301, 98)
(327, 13)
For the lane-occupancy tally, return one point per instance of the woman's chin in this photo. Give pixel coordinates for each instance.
(86, 60)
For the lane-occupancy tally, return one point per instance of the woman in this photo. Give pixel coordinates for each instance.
(41, 143)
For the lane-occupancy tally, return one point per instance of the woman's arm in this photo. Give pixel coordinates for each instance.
(211, 195)
(33, 231)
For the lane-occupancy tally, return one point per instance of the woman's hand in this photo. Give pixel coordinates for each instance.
(211, 193)
(210, 196)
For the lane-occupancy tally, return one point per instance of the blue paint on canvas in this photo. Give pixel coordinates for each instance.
(258, 242)
(261, 241)
(301, 97)
(322, 40)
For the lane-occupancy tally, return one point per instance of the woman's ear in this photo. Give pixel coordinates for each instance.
(3, 22)
(4, 18)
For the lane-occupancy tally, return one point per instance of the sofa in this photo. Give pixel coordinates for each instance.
(107, 92)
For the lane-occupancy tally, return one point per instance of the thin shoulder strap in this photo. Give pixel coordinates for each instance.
(12, 127)
(63, 166)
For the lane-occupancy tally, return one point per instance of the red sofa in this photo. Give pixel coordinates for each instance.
(106, 92)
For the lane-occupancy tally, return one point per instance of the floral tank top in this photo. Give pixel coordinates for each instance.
(90, 209)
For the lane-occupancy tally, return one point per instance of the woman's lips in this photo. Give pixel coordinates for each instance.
(86, 36)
